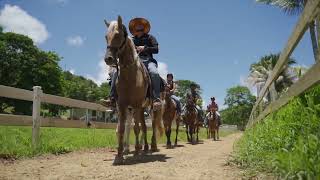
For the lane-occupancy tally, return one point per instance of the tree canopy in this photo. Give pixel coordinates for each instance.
(183, 86)
(23, 65)
(240, 102)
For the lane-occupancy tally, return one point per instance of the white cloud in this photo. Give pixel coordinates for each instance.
(75, 41)
(15, 19)
(72, 71)
(103, 73)
(163, 69)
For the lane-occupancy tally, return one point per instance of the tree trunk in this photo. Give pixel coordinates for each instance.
(313, 39)
(273, 92)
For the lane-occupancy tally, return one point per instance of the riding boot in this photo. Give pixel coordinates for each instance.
(155, 82)
(111, 100)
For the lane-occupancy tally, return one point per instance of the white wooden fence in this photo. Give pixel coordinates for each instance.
(38, 97)
(309, 79)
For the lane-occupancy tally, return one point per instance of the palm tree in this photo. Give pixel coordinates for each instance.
(293, 7)
(298, 71)
(260, 71)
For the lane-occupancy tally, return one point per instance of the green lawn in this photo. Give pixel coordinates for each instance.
(15, 141)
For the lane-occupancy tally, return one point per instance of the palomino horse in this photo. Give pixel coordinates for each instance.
(169, 114)
(213, 125)
(191, 120)
(132, 87)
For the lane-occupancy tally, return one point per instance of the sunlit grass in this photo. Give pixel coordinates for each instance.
(15, 141)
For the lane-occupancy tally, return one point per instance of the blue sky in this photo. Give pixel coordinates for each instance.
(210, 42)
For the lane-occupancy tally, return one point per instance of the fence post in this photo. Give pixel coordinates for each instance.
(36, 107)
(87, 117)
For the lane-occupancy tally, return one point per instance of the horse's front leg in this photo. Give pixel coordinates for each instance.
(122, 114)
(156, 117)
(140, 116)
(198, 127)
(137, 132)
(187, 132)
(127, 132)
(218, 133)
(177, 130)
(191, 132)
(168, 134)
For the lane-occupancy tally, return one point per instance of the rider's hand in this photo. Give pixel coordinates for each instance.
(140, 48)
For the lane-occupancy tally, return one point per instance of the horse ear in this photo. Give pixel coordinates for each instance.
(119, 22)
(107, 24)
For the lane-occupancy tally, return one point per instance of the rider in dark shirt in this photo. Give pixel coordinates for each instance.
(146, 46)
(192, 95)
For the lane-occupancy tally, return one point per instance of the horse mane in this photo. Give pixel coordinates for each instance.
(112, 27)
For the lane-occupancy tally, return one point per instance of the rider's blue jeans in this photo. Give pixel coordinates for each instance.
(176, 99)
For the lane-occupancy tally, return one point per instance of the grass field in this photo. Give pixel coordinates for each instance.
(16, 141)
(287, 142)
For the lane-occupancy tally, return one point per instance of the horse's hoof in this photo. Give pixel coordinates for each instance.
(146, 148)
(138, 147)
(154, 148)
(118, 160)
(169, 146)
(175, 144)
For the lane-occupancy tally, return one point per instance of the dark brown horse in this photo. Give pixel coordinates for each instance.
(213, 125)
(191, 120)
(131, 86)
(169, 115)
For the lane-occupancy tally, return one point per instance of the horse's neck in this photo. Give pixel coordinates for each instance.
(168, 101)
(128, 57)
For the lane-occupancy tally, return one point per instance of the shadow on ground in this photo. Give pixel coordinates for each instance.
(145, 158)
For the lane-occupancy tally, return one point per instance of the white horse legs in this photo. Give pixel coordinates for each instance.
(127, 132)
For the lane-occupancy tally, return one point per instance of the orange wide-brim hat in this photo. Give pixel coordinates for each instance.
(138, 23)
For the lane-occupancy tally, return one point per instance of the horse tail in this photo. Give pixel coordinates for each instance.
(159, 122)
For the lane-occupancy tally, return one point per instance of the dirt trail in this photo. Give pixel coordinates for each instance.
(201, 161)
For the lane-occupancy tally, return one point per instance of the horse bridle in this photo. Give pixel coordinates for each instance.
(120, 48)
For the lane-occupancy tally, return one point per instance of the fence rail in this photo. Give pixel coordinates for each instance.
(36, 121)
(310, 12)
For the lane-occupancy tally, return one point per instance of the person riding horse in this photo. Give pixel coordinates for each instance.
(172, 87)
(146, 46)
(214, 106)
(193, 96)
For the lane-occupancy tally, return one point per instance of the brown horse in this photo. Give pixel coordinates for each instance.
(213, 125)
(191, 120)
(169, 115)
(131, 86)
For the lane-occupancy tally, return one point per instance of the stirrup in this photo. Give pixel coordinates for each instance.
(110, 102)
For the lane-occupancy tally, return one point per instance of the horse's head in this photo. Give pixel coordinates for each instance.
(190, 104)
(116, 38)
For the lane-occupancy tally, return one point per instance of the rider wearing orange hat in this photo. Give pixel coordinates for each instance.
(146, 46)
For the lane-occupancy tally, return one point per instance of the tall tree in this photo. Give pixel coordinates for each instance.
(240, 102)
(23, 65)
(260, 71)
(238, 96)
(293, 7)
(184, 87)
(78, 87)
